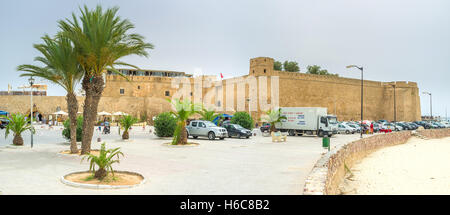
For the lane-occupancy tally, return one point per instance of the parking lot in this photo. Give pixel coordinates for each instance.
(230, 166)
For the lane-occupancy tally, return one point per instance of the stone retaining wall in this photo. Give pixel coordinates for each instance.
(330, 169)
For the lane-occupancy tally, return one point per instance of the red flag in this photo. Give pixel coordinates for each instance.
(221, 76)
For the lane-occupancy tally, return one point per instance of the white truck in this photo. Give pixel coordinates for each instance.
(307, 120)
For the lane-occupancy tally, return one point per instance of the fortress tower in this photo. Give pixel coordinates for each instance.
(261, 66)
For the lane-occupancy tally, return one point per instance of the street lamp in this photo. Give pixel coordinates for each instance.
(362, 92)
(249, 109)
(31, 81)
(431, 107)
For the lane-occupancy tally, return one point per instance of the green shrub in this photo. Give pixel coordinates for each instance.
(243, 119)
(165, 124)
(66, 131)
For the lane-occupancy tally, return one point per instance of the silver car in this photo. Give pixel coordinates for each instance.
(204, 128)
(343, 128)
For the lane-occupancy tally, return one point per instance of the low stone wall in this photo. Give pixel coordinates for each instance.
(330, 169)
(435, 133)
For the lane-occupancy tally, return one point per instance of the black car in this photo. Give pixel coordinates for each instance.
(235, 130)
(265, 127)
(4, 123)
(404, 126)
(423, 124)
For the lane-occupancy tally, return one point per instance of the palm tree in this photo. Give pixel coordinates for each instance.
(273, 117)
(184, 109)
(61, 68)
(104, 161)
(18, 124)
(101, 38)
(208, 115)
(126, 122)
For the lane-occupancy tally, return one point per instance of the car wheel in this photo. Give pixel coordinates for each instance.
(247, 137)
(211, 135)
(347, 132)
(195, 137)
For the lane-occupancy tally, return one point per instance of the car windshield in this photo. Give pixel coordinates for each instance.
(238, 126)
(210, 124)
(332, 120)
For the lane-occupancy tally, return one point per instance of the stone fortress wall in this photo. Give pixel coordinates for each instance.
(149, 94)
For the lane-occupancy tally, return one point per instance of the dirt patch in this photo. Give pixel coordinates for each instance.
(95, 152)
(119, 178)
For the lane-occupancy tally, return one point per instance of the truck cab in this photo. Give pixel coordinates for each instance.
(328, 125)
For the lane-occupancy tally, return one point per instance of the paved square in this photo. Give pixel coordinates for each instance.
(230, 166)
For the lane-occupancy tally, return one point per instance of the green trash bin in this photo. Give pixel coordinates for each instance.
(326, 142)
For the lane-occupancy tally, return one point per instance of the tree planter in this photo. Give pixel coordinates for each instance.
(190, 144)
(125, 180)
(67, 152)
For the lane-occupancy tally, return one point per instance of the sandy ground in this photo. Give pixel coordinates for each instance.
(230, 166)
(416, 167)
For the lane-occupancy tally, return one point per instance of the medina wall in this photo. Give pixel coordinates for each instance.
(341, 96)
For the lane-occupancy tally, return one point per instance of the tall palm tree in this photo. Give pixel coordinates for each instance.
(62, 68)
(101, 38)
(183, 110)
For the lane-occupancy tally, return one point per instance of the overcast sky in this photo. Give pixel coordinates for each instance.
(404, 40)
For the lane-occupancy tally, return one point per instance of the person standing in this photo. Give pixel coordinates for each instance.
(371, 128)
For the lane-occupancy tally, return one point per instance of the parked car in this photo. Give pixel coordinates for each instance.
(265, 127)
(4, 123)
(204, 128)
(355, 126)
(404, 126)
(235, 130)
(439, 125)
(343, 128)
(423, 124)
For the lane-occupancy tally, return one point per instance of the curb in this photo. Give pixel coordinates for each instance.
(101, 186)
(180, 146)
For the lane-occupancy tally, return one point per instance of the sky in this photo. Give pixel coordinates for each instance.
(394, 40)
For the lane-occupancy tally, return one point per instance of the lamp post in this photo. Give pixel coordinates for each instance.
(249, 108)
(31, 81)
(362, 93)
(431, 107)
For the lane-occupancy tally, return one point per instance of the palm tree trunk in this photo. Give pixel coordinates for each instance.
(100, 174)
(18, 140)
(125, 135)
(93, 87)
(72, 106)
(182, 140)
